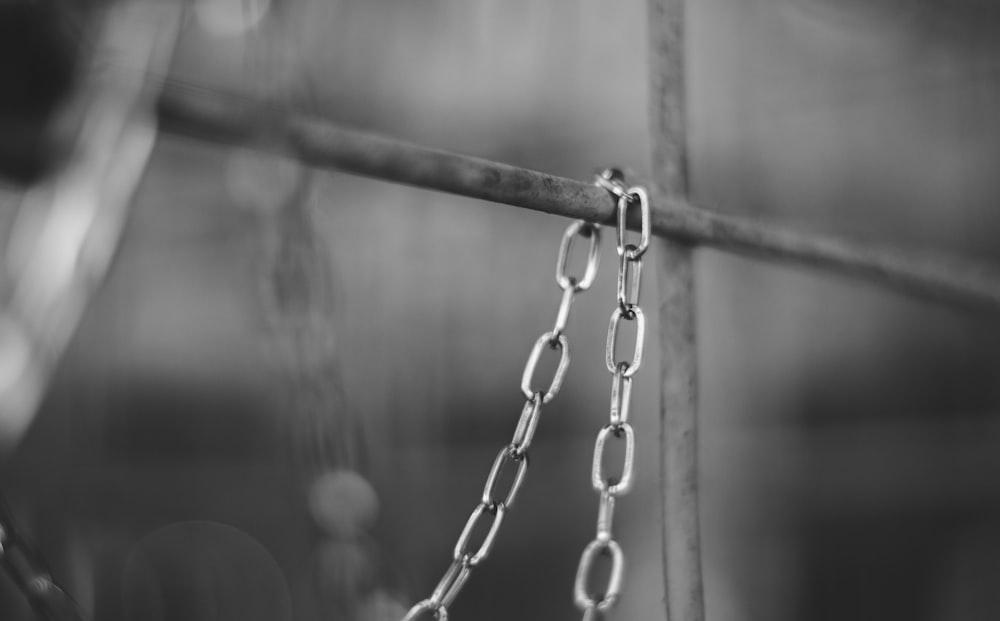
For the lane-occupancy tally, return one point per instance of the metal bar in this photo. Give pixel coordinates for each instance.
(207, 114)
(681, 541)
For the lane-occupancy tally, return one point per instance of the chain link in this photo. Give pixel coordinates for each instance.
(588, 231)
(593, 603)
(623, 483)
(521, 461)
(600, 546)
(516, 453)
(451, 584)
(562, 317)
(526, 425)
(635, 314)
(621, 394)
(554, 341)
(628, 288)
(633, 195)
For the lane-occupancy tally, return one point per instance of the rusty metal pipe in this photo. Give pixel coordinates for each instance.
(210, 115)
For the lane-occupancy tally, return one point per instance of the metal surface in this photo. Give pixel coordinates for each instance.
(682, 579)
(520, 461)
(634, 313)
(435, 606)
(526, 425)
(621, 394)
(599, 480)
(562, 316)
(605, 516)
(591, 233)
(451, 583)
(583, 599)
(497, 511)
(463, 560)
(213, 116)
(628, 288)
(549, 340)
(630, 251)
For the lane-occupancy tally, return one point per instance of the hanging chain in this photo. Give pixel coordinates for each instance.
(28, 571)
(609, 488)
(492, 505)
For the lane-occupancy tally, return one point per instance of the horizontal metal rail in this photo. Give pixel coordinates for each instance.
(211, 115)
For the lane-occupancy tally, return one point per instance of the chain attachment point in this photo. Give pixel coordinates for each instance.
(635, 194)
(612, 180)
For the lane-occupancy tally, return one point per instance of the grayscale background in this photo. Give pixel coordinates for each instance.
(284, 401)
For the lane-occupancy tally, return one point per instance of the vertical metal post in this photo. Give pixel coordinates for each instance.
(675, 277)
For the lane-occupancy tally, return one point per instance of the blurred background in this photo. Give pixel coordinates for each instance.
(284, 401)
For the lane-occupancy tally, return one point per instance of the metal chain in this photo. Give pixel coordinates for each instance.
(609, 488)
(516, 452)
(28, 571)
